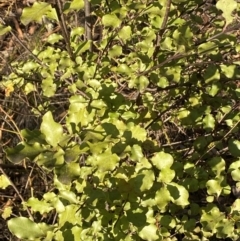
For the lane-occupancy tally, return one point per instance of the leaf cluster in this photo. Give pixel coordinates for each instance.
(148, 145)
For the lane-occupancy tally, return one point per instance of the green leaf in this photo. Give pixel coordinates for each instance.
(39, 206)
(122, 69)
(37, 12)
(50, 159)
(166, 175)
(54, 38)
(68, 172)
(234, 169)
(227, 7)
(179, 194)
(4, 29)
(211, 74)
(191, 184)
(24, 228)
(76, 4)
(52, 130)
(214, 186)
(48, 86)
(183, 38)
(207, 48)
(162, 198)
(82, 47)
(136, 153)
(213, 89)
(29, 66)
(7, 212)
(104, 162)
(217, 165)
(29, 87)
(138, 132)
(149, 233)
(22, 151)
(4, 182)
(209, 122)
(228, 70)
(115, 51)
(210, 217)
(143, 163)
(143, 181)
(68, 215)
(225, 228)
(141, 83)
(111, 20)
(162, 160)
(210, 199)
(72, 154)
(234, 147)
(125, 33)
(69, 196)
(168, 221)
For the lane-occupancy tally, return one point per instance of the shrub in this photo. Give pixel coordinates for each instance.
(146, 147)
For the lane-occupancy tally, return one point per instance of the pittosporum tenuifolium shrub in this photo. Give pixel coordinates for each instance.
(146, 146)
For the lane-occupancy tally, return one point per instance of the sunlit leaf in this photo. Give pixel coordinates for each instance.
(37, 12)
(217, 165)
(7, 212)
(166, 175)
(125, 33)
(76, 4)
(136, 153)
(104, 162)
(211, 74)
(234, 169)
(4, 29)
(209, 122)
(4, 182)
(162, 160)
(24, 228)
(179, 194)
(214, 186)
(111, 20)
(40, 206)
(162, 198)
(52, 130)
(227, 7)
(149, 233)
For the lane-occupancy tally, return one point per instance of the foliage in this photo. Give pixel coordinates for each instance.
(150, 143)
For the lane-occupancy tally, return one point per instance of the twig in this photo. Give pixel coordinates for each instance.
(162, 29)
(14, 124)
(214, 145)
(20, 33)
(173, 57)
(160, 114)
(225, 30)
(18, 193)
(88, 24)
(24, 46)
(63, 26)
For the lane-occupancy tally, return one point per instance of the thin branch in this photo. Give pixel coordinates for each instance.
(63, 26)
(88, 23)
(24, 46)
(162, 29)
(14, 124)
(214, 144)
(18, 193)
(161, 114)
(173, 57)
